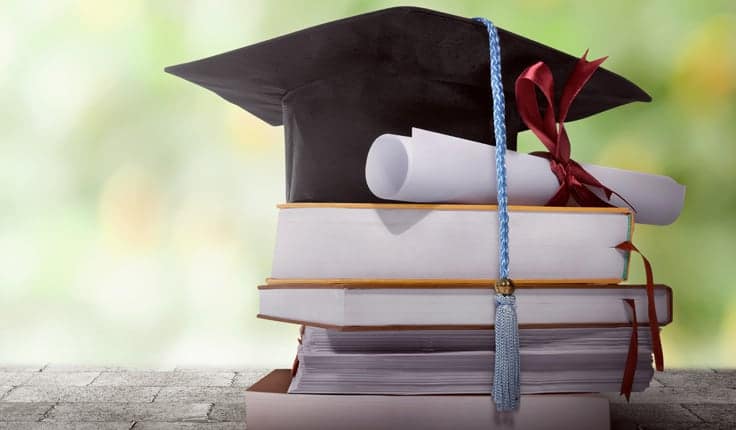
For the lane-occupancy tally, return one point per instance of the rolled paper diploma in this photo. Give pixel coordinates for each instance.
(432, 167)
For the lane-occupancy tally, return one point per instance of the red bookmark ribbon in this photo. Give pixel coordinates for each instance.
(295, 364)
(651, 307)
(633, 355)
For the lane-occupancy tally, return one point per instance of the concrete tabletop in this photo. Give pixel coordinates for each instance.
(51, 397)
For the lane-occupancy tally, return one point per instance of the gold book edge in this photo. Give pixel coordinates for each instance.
(433, 283)
(403, 327)
(455, 207)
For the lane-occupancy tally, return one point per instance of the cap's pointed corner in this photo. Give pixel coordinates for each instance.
(171, 70)
(639, 94)
(634, 92)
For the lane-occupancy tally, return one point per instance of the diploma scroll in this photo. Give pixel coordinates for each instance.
(431, 167)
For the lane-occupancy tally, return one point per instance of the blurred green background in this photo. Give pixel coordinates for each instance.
(138, 211)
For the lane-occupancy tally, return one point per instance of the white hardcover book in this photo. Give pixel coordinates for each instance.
(268, 407)
(461, 361)
(449, 242)
(356, 307)
(464, 372)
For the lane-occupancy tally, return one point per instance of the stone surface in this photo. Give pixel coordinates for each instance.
(21, 368)
(652, 413)
(228, 412)
(24, 411)
(164, 379)
(82, 368)
(202, 394)
(725, 414)
(5, 390)
(106, 412)
(683, 394)
(43, 379)
(676, 426)
(246, 378)
(8, 378)
(58, 393)
(697, 379)
(66, 426)
(70, 397)
(141, 425)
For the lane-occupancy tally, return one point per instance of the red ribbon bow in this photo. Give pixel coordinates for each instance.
(550, 129)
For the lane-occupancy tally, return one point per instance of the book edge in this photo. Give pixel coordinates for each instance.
(404, 327)
(437, 283)
(453, 207)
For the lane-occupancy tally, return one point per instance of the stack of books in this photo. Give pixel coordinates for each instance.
(396, 300)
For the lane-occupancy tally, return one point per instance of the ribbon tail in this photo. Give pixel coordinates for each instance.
(561, 197)
(627, 381)
(622, 198)
(295, 364)
(592, 182)
(651, 307)
(506, 373)
(608, 193)
(586, 198)
(584, 177)
(580, 75)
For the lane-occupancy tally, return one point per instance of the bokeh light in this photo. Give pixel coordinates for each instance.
(138, 211)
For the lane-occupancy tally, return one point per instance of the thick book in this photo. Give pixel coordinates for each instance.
(470, 306)
(268, 407)
(436, 243)
(461, 362)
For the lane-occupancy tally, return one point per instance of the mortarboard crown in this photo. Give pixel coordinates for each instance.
(337, 86)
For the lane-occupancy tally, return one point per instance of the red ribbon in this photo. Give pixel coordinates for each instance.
(651, 308)
(295, 364)
(633, 356)
(631, 359)
(550, 129)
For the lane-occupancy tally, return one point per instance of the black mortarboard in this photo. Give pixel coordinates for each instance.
(337, 86)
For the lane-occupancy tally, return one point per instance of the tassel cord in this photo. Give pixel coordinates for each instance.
(506, 376)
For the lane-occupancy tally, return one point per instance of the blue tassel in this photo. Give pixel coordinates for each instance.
(506, 380)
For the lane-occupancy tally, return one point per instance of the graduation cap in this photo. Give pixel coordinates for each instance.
(337, 86)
